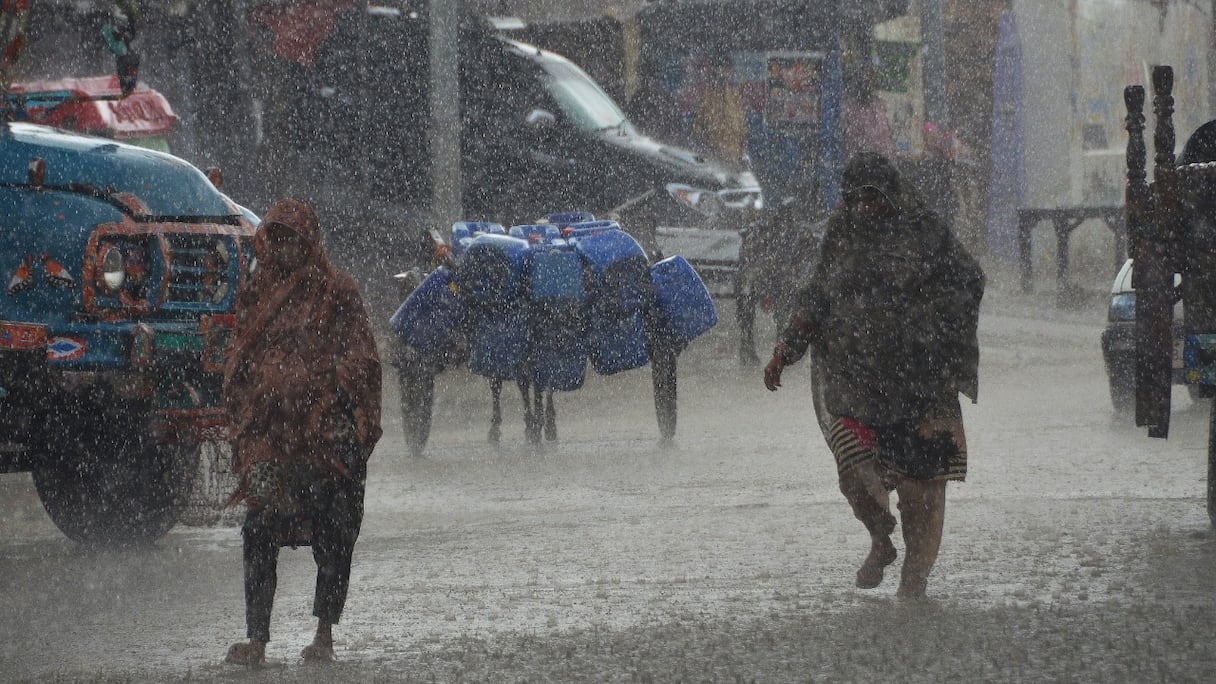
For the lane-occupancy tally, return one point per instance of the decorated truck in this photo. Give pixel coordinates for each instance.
(120, 266)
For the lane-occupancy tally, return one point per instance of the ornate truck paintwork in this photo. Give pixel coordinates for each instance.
(121, 266)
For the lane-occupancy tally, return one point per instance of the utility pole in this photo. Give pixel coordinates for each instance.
(241, 148)
(937, 172)
(444, 50)
(933, 44)
(1212, 56)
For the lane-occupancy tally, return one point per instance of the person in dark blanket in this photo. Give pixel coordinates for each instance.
(890, 312)
(302, 386)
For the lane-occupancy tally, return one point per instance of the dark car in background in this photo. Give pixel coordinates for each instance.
(539, 135)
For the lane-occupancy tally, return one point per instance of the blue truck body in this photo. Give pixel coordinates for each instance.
(121, 267)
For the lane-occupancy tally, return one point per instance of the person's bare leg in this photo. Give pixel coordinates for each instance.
(871, 504)
(922, 508)
(322, 647)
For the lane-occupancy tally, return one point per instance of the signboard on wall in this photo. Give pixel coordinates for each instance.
(792, 88)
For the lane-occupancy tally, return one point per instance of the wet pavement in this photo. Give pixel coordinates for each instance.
(1078, 549)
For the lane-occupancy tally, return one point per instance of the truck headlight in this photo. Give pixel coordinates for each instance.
(113, 269)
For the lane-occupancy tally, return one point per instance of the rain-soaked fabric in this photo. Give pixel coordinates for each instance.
(330, 508)
(935, 449)
(286, 489)
(892, 307)
(303, 359)
(851, 442)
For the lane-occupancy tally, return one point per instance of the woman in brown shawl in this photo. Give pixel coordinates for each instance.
(302, 386)
(891, 314)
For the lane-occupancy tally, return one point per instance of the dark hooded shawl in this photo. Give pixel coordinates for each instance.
(893, 307)
(303, 358)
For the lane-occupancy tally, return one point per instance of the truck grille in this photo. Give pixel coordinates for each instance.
(197, 271)
(173, 273)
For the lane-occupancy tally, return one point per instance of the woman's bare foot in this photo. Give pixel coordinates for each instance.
(882, 554)
(321, 650)
(317, 652)
(247, 653)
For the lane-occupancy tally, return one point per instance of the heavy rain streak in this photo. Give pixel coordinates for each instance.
(607, 341)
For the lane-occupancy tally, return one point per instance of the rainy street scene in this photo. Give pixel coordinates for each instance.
(608, 341)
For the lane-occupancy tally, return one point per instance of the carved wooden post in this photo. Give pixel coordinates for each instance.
(1155, 270)
(1136, 193)
(1136, 196)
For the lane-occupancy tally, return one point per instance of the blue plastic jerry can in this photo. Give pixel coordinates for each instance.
(565, 218)
(618, 282)
(490, 271)
(619, 270)
(576, 231)
(534, 233)
(463, 233)
(499, 344)
(556, 298)
(555, 274)
(463, 229)
(686, 309)
(431, 314)
(560, 361)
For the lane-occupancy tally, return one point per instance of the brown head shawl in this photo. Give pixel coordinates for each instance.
(303, 357)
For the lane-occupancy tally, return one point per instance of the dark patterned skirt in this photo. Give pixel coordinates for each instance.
(934, 449)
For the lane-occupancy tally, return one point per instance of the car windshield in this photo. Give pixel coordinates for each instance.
(581, 99)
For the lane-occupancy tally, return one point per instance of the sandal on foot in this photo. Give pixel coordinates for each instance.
(317, 653)
(245, 653)
(870, 574)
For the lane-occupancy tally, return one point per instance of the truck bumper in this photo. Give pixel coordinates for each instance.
(170, 372)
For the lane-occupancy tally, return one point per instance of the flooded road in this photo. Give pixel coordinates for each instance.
(1077, 549)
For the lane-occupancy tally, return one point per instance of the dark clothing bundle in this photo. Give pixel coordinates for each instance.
(892, 307)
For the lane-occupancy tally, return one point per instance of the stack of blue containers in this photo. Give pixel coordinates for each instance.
(551, 296)
(617, 276)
